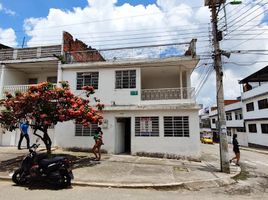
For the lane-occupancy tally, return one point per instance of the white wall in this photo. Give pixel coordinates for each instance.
(189, 146)
(41, 77)
(12, 138)
(256, 113)
(257, 138)
(106, 91)
(14, 77)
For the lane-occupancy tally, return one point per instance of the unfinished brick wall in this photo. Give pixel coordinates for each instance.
(79, 51)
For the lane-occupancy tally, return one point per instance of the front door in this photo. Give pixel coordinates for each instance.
(123, 135)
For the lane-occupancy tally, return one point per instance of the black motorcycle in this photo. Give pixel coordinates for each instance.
(38, 168)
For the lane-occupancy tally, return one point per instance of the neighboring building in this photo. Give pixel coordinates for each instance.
(149, 102)
(255, 107)
(247, 117)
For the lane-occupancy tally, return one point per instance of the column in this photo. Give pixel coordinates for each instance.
(2, 80)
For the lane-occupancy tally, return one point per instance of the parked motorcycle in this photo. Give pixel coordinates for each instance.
(37, 167)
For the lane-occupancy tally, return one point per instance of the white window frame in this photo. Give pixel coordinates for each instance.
(87, 78)
(81, 130)
(125, 79)
(176, 126)
(147, 126)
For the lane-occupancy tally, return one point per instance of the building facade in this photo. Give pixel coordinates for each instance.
(149, 102)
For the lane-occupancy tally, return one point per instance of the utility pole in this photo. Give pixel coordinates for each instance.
(214, 5)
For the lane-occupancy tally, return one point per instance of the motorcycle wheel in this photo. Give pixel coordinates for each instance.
(65, 180)
(18, 177)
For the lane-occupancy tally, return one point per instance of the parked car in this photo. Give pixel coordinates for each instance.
(206, 140)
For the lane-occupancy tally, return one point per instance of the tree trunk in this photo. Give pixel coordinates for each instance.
(46, 139)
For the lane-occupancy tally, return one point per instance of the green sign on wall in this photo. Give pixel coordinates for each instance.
(133, 93)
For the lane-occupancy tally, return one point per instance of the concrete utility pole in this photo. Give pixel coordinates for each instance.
(214, 5)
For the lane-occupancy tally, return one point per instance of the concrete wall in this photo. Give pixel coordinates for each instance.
(189, 146)
(257, 138)
(14, 77)
(256, 113)
(8, 138)
(106, 91)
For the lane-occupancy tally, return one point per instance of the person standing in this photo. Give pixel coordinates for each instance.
(24, 133)
(236, 150)
(98, 142)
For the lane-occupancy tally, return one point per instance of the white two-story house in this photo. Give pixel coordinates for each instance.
(149, 102)
(255, 107)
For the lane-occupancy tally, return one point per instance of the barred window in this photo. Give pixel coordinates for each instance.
(125, 79)
(146, 126)
(80, 130)
(87, 78)
(176, 126)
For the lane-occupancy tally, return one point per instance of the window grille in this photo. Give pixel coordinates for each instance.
(146, 126)
(80, 130)
(264, 128)
(87, 78)
(176, 126)
(250, 106)
(125, 79)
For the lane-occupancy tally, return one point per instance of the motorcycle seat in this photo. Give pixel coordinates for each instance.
(47, 162)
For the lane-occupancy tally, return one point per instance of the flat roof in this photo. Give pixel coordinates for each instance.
(259, 76)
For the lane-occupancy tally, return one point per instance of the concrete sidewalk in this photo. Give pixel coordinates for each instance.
(127, 171)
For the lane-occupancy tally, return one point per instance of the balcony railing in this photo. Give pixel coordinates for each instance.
(167, 93)
(30, 53)
(14, 88)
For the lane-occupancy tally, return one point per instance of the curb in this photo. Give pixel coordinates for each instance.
(190, 185)
(254, 150)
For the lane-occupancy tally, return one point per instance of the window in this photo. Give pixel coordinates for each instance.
(252, 128)
(176, 126)
(213, 121)
(229, 132)
(32, 81)
(241, 130)
(80, 130)
(263, 104)
(238, 115)
(264, 128)
(250, 106)
(146, 126)
(125, 79)
(228, 116)
(52, 79)
(87, 78)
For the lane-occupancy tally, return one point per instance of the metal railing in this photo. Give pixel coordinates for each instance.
(30, 53)
(22, 88)
(167, 93)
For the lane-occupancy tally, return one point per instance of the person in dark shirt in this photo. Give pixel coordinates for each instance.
(236, 150)
(24, 133)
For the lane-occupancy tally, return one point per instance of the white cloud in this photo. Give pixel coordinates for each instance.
(6, 10)
(8, 37)
(103, 24)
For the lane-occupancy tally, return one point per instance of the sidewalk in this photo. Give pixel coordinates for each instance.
(127, 171)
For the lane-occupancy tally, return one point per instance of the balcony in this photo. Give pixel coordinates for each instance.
(14, 88)
(167, 94)
(30, 53)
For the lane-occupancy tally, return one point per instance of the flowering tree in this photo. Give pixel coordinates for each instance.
(44, 105)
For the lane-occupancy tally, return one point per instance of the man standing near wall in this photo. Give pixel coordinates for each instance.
(24, 133)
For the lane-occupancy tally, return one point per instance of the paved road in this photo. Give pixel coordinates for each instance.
(254, 186)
